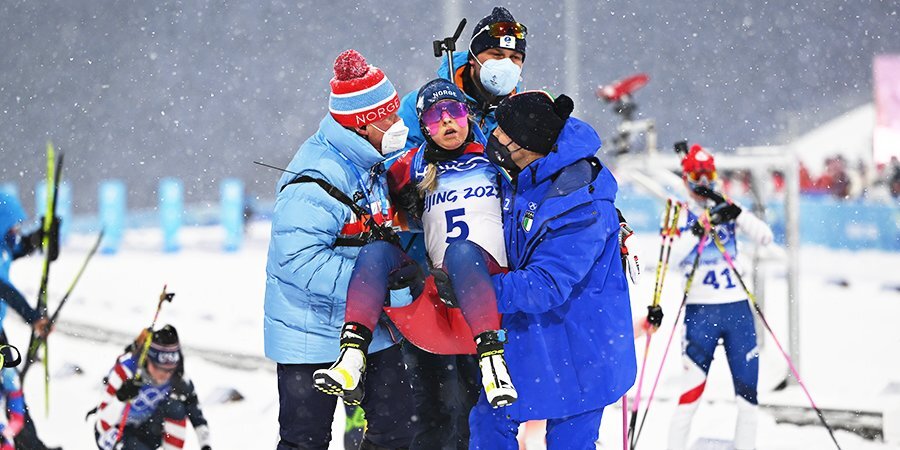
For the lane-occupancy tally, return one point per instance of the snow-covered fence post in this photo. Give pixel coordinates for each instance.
(113, 205)
(171, 212)
(232, 212)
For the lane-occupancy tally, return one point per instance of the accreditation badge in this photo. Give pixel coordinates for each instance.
(528, 220)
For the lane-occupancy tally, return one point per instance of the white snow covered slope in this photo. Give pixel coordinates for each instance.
(849, 339)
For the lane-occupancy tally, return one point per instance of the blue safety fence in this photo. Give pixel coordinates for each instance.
(232, 212)
(170, 214)
(852, 225)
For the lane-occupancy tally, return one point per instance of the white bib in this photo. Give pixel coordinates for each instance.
(465, 205)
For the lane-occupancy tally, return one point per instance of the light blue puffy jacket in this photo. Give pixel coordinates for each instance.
(306, 274)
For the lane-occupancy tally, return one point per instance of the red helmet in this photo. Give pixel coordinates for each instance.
(697, 165)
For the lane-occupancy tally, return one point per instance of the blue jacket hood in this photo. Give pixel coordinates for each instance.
(576, 141)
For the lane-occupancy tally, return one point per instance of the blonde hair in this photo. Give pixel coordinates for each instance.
(429, 180)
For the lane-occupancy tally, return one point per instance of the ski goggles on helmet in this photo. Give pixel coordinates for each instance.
(501, 29)
(702, 177)
(433, 116)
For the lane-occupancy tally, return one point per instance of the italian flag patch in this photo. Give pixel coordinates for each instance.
(528, 220)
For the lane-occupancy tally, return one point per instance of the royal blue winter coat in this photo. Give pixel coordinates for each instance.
(11, 214)
(484, 119)
(565, 301)
(12, 247)
(306, 273)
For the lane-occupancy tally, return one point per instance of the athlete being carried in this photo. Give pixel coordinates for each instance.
(450, 186)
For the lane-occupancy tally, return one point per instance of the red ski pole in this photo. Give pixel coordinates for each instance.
(163, 297)
(765, 322)
(687, 288)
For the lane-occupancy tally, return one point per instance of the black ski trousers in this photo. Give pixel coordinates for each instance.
(445, 388)
(306, 414)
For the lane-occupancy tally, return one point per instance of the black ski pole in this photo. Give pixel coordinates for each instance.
(54, 173)
(36, 344)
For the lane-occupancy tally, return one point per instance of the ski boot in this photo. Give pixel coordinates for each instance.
(344, 377)
(498, 387)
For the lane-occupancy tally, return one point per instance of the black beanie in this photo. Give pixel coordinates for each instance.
(533, 120)
(482, 39)
(165, 350)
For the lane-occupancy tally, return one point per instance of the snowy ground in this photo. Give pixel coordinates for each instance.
(848, 339)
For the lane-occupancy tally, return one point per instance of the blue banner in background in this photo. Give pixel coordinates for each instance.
(40, 200)
(113, 204)
(64, 210)
(171, 212)
(850, 225)
(232, 209)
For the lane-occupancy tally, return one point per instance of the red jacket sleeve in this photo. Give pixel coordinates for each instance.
(399, 175)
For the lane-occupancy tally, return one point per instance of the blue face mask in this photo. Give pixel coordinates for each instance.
(499, 76)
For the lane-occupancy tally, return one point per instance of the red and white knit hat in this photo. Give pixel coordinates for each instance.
(360, 93)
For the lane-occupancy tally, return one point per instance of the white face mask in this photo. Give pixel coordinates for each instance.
(394, 137)
(499, 76)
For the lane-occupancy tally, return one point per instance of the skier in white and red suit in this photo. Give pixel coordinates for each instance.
(717, 306)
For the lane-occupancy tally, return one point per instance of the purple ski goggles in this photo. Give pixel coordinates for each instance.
(433, 116)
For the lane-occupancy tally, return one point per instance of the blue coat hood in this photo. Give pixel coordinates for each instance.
(576, 141)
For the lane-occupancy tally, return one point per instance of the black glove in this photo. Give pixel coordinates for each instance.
(382, 233)
(409, 200)
(724, 213)
(406, 276)
(654, 316)
(129, 390)
(206, 447)
(444, 287)
(697, 228)
(706, 192)
(35, 239)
